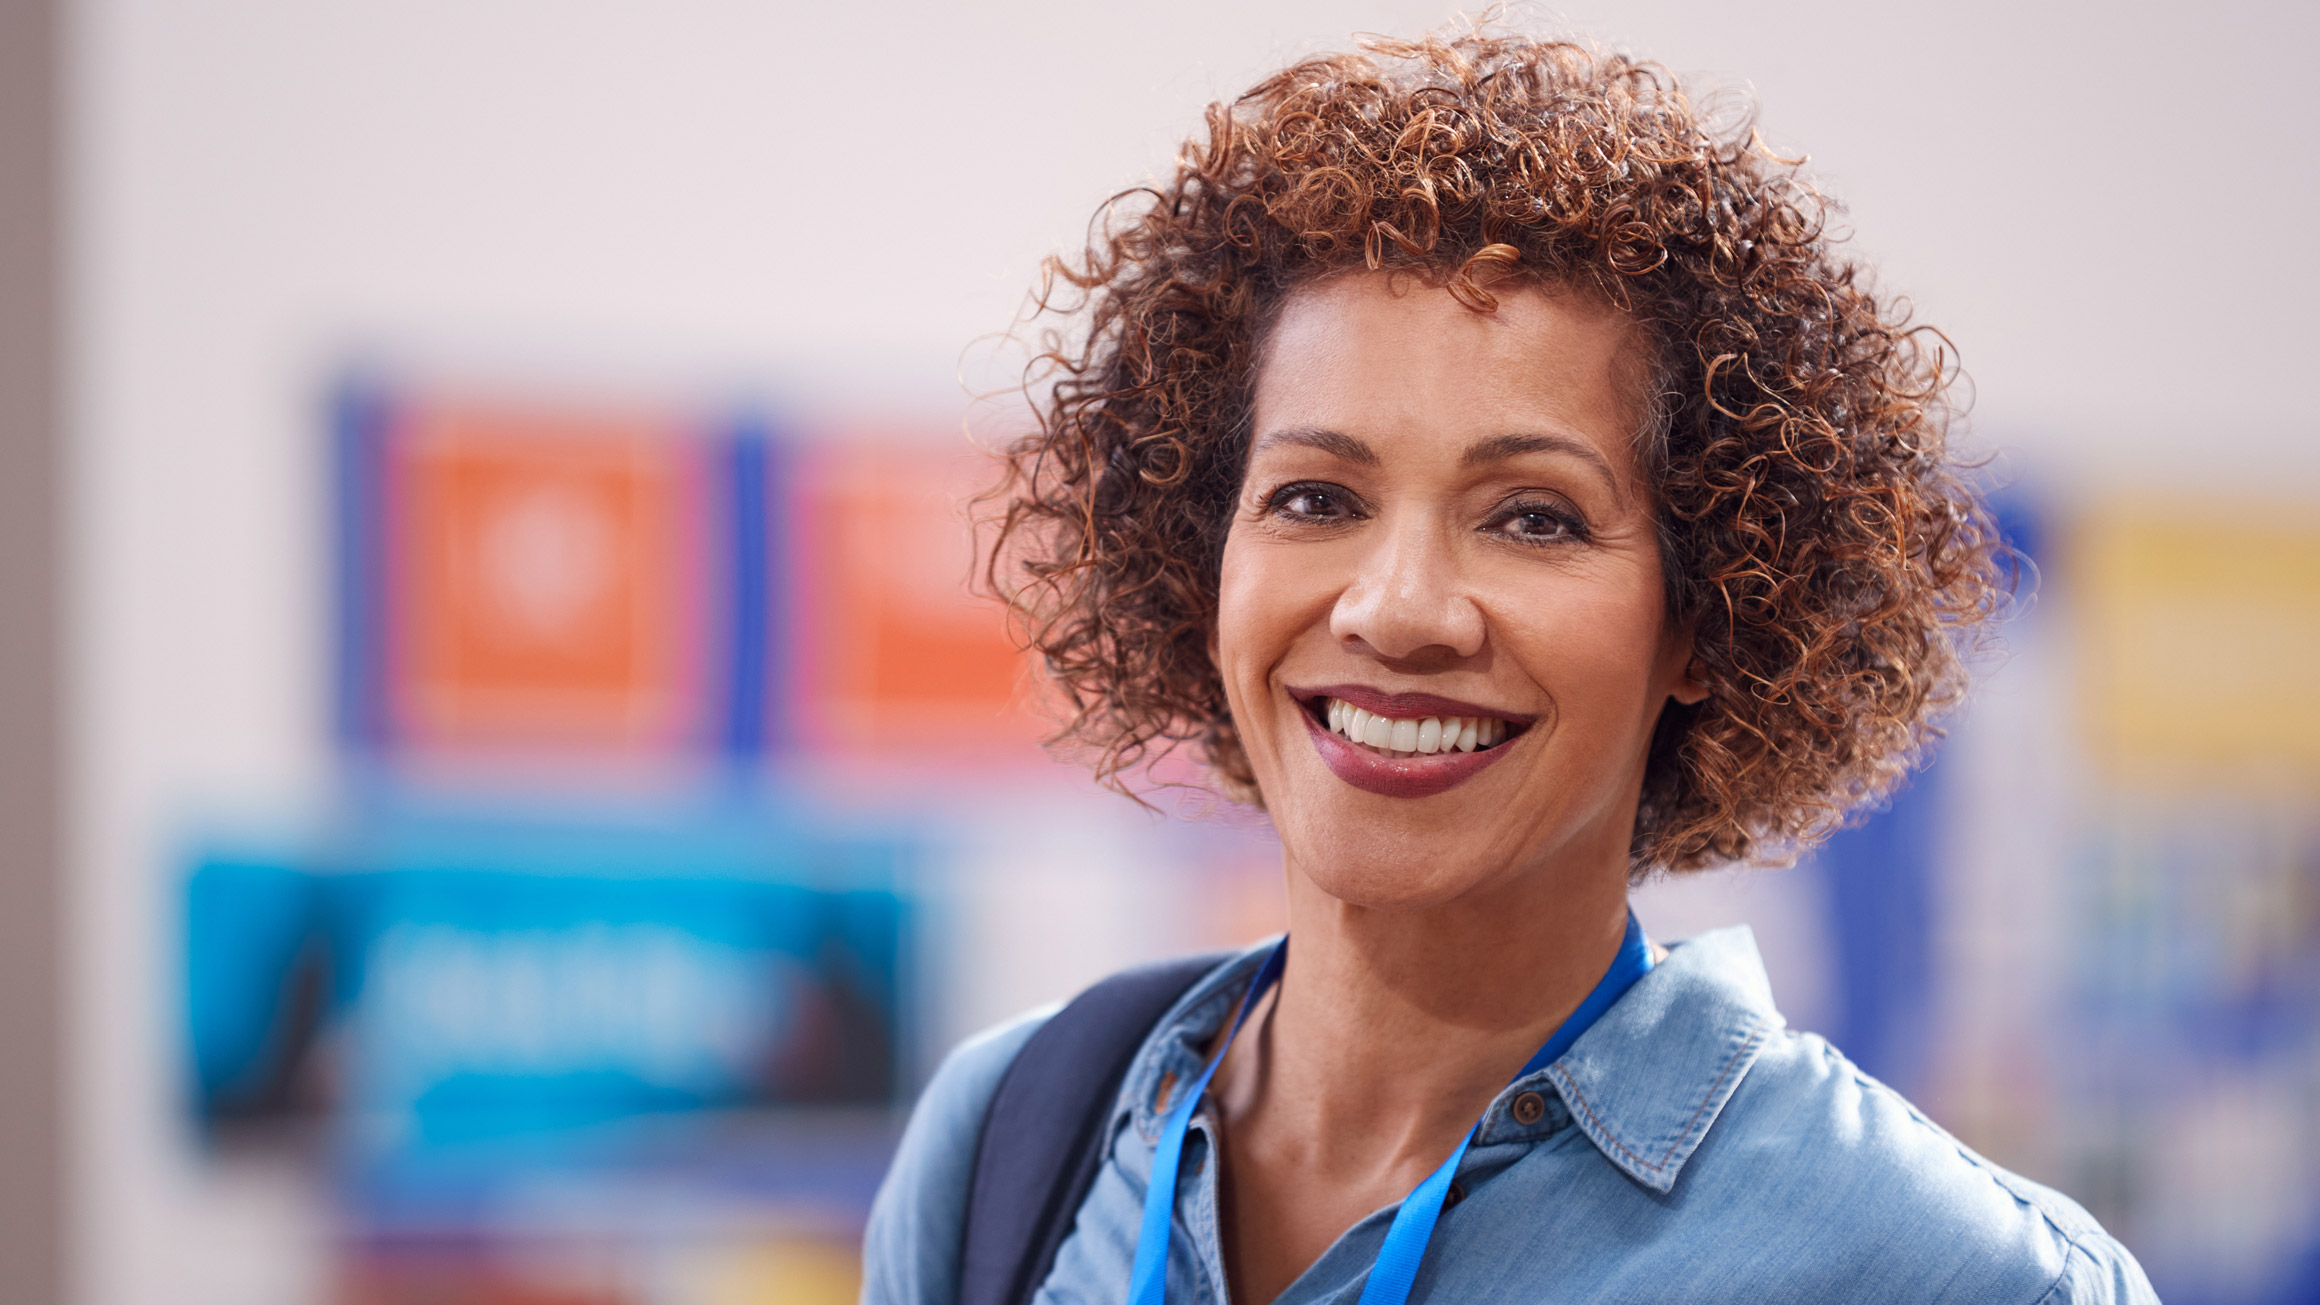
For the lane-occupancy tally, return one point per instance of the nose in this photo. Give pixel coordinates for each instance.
(1406, 602)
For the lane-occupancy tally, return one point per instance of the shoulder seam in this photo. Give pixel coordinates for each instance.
(2075, 1249)
(1992, 1172)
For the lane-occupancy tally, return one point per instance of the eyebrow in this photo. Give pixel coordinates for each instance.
(1499, 448)
(1335, 443)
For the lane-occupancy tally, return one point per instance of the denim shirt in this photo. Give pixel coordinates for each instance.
(1689, 1146)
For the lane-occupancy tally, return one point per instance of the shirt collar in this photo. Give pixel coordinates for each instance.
(1178, 1050)
(1644, 1084)
(1647, 1082)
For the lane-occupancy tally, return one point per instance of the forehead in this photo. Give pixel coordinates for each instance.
(1388, 358)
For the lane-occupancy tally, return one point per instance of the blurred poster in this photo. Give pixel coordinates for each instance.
(525, 575)
(522, 578)
(436, 990)
(2200, 621)
(542, 577)
(896, 652)
(559, 1055)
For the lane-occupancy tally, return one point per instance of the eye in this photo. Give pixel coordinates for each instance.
(1312, 501)
(1539, 523)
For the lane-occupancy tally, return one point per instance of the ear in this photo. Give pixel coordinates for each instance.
(1692, 689)
(1690, 685)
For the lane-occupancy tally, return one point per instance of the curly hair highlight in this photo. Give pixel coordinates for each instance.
(1829, 553)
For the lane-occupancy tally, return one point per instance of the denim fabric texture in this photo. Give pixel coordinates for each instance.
(1692, 1148)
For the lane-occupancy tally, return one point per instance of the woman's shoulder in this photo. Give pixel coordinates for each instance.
(910, 1250)
(1813, 1142)
(912, 1247)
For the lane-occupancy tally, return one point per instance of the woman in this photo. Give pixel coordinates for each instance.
(1488, 464)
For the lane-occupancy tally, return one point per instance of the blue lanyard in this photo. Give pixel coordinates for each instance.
(1397, 1262)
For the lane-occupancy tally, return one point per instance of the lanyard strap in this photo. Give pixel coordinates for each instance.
(1397, 1263)
(1149, 1283)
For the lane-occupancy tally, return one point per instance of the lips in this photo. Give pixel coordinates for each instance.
(1391, 771)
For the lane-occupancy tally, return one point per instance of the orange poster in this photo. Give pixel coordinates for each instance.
(896, 651)
(542, 580)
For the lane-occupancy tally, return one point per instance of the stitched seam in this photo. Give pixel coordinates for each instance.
(2073, 1243)
(2064, 1276)
(1996, 1177)
(1992, 1173)
(1753, 1038)
(1563, 1081)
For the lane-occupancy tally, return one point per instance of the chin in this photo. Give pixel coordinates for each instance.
(1388, 888)
(1391, 868)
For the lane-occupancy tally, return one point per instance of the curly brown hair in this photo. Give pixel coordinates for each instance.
(1827, 550)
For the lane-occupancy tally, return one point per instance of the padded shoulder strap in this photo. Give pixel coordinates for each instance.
(1042, 1140)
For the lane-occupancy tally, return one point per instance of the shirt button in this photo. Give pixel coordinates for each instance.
(1453, 1196)
(1529, 1108)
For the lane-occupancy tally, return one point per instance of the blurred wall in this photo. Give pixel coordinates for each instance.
(31, 598)
(2102, 205)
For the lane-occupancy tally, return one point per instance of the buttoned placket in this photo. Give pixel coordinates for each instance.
(1203, 1216)
(1179, 1063)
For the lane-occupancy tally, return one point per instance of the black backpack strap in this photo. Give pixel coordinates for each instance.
(1043, 1135)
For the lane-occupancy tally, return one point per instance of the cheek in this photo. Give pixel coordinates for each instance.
(1595, 649)
(1245, 620)
(1265, 606)
(1235, 610)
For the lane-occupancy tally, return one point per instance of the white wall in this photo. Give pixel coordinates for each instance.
(2108, 207)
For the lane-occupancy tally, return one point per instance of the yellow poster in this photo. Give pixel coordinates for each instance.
(2201, 636)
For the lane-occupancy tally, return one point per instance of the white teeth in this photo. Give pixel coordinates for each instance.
(1419, 737)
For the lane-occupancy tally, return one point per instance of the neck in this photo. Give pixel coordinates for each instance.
(1393, 1028)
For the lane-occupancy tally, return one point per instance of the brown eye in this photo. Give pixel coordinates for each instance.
(1539, 523)
(1313, 503)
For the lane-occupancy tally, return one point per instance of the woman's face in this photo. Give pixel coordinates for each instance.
(1442, 629)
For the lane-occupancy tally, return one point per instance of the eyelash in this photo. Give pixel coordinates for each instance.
(1278, 503)
(1573, 528)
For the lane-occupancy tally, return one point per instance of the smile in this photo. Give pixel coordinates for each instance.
(1404, 744)
(1405, 737)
